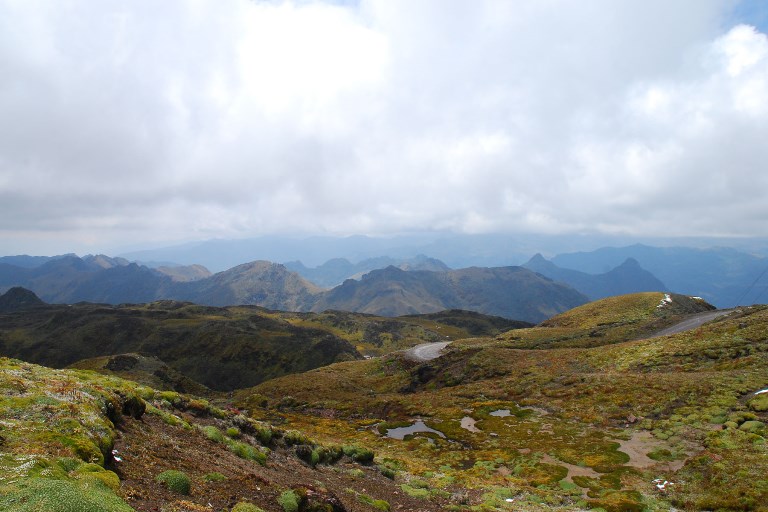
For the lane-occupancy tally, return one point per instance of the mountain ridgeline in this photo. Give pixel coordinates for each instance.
(511, 292)
(629, 277)
(723, 276)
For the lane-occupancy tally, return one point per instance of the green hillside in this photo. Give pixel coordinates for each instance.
(539, 418)
(77, 441)
(221, 348)
(584, 426)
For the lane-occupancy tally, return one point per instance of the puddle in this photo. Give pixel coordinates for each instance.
(501, 413)
(468, 423)
(573, 470)
(643, 442)
(417, 427)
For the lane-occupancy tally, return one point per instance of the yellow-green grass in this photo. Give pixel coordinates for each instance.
(682, 388)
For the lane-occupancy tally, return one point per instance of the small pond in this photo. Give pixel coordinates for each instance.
(468, 423)
(417, 427)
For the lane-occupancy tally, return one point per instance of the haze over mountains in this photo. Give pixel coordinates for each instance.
(629, 277)
(512, 292)
(455, 250)
(389, 285)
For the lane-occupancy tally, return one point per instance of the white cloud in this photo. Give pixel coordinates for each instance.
(194, 119)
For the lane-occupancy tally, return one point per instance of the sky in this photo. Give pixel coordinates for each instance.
(145, 122)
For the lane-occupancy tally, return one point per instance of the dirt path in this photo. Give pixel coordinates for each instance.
(692, 322)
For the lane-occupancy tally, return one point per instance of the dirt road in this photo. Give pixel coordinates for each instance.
(692, 322)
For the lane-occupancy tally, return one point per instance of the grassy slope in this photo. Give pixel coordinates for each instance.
(222, 348)
(687, 400)
(149, 371)
(70, 444)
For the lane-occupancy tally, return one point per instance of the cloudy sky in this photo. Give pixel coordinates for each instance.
(124, 123)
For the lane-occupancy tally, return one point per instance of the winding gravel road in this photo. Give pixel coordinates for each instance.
(429, 351)
(692, 322)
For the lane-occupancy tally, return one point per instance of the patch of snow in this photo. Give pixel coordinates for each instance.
(761, 391)
(666, 300)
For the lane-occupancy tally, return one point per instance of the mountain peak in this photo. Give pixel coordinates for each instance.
(539, 263)
(630, 263)
(18, 298)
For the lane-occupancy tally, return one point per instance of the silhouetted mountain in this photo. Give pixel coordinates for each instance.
(722, 276)
(72, 279)
(627, 278)
(25, 261)
(64, 279)
(18, 299)
(335, 271)
(510, 292)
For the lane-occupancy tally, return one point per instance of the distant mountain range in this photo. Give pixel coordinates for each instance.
(722, 276)
(337, 270)
(629, 277)
(456, 250)
(511, 292)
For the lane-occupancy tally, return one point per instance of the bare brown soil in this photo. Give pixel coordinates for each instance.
(148, 447)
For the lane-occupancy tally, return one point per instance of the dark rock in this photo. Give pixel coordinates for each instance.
(122, 363)
(134, 407)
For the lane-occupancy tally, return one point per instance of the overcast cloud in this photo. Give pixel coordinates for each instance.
(141, 121)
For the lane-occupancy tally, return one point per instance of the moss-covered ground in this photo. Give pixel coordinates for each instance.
(79, 441)
(591, 424)
(588, 410)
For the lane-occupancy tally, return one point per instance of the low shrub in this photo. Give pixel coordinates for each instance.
(377, 504)
(289, 500)
(246, 507)
(359, 454)
(214, 477)
(176, 481)
(69, 463)
(248, 452)
(330, 454)
(213, 433)
(263, 433)
(294, 437)
(51, 495)
(416, 492)
(93, 472)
